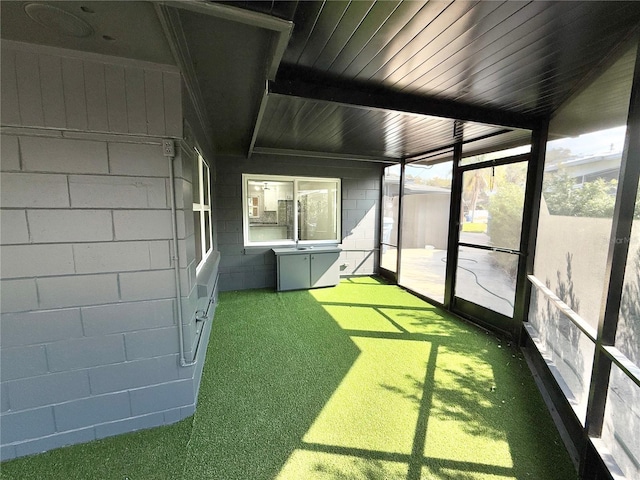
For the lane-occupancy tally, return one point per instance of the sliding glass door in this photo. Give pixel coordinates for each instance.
(425, 227)
(488, 251)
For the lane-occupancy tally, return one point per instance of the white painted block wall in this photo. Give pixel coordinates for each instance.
(89, 345)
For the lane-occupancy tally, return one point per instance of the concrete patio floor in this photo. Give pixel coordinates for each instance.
(479, 279)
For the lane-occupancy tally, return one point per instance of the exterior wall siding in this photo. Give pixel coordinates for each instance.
(244, 268)
(53, 88)
(89, 344)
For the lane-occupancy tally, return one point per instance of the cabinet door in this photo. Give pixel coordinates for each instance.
(325, 270)
(254, 207)
(293, 272)
(270, 200)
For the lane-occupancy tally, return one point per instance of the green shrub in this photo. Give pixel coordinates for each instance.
(505, 220)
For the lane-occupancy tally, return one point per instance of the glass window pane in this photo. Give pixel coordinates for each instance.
(389, 225)
(197, 233)
(492, 203)
(482, 142)
(270, 207)
(425, 227)
(484, 277)
(389, 257)
(206, 184)
(628, 333)
(195, 180)
(622, 423)
(510, 152)
(318, 205)
(566, 347)
(575, 218)
(390, 205)
(207, 230)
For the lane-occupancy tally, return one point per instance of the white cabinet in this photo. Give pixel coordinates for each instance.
(293, 272)
(325, 271)
(271, 200)
(302, 269)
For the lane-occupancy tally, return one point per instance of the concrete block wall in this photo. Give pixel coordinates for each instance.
(89, 334)
(254, 267)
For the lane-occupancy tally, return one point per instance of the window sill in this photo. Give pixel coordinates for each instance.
(206, 277)
(307, 245)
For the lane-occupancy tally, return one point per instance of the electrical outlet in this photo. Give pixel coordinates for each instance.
(168, 148)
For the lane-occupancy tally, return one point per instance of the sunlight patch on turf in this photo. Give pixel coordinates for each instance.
(376, 405)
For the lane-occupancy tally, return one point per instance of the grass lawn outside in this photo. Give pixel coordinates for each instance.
(360, 381)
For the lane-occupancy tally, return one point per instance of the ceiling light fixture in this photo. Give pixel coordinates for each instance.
(59, 20)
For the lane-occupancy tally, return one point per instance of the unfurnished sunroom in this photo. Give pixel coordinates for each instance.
(482, 155)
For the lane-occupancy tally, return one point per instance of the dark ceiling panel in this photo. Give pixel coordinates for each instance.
(323, 30)
(519, 56)
(436, 34)
(374, 35)
(295, 124)
(305, 20)
(386, 79)
(349, 23)
(340, 56)
(396, 38)
(468, 30)
(542, 79)
(466, 56)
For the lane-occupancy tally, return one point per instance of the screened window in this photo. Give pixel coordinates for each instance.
(593, 352)
(202, 210)
(281, 210)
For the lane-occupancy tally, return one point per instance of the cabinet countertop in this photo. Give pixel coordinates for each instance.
(303, 250)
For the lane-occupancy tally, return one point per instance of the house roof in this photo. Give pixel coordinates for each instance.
(379, 80)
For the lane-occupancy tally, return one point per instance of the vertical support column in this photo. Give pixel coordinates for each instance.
(530, 216)
(403, 163)
(454, 220)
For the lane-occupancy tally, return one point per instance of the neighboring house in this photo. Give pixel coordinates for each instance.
(425, 214)
(590, 168)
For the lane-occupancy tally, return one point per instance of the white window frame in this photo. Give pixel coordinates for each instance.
(246, 177)
(204, 181)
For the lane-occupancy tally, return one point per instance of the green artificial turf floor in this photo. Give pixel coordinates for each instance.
(361, 381)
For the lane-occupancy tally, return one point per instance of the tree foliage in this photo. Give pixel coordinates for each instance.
(505, 213)
(590, 199)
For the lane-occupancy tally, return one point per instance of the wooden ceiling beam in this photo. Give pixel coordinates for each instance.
(306, 83)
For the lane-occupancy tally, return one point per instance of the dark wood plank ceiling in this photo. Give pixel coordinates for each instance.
(520, 58)
(299, 125)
